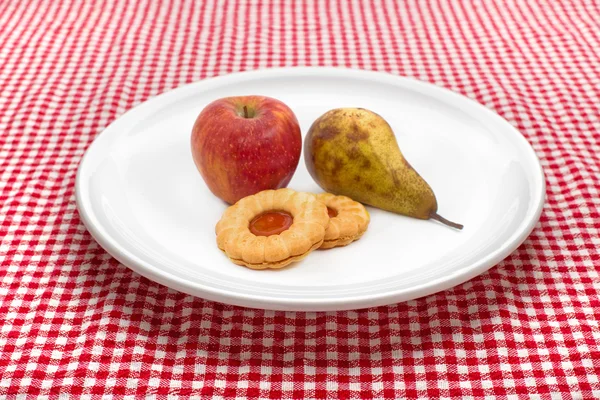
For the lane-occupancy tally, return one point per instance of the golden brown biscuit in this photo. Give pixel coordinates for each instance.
(272, 228)
(348, 220)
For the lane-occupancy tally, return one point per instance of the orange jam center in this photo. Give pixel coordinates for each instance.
(271, 223)
(332, 213)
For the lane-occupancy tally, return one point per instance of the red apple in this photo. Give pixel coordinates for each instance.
(245, 144)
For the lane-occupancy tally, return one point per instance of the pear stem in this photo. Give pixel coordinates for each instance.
(444, 221)
(245, 112)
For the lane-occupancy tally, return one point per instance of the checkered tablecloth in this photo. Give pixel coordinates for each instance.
(73, 321)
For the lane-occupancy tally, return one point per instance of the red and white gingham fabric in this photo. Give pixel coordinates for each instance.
(75, 322)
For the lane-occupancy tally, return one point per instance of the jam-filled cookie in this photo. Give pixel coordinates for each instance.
(272, 228)
(348, 220)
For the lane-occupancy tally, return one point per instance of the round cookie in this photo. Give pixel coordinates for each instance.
(349, 220)
(248, 232)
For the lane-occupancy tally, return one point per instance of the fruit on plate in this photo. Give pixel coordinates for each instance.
(245, 144)
(353, 152)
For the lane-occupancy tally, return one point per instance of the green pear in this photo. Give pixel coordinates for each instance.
(353, 152)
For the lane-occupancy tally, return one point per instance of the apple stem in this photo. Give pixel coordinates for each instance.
(444, 221)
(245, 112)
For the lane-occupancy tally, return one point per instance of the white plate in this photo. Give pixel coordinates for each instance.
(140, 196)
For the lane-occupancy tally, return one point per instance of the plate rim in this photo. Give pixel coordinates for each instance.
(461, 275)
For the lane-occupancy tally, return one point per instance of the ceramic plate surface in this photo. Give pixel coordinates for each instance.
(141, 197)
